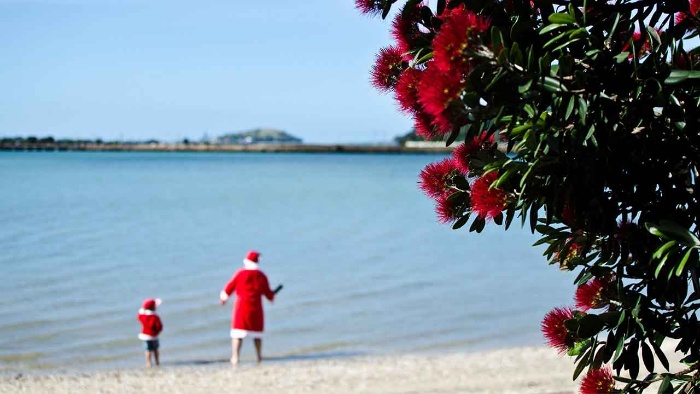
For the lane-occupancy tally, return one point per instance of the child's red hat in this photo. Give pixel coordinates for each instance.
(151, 303)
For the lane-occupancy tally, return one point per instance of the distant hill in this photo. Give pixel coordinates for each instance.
(258, 136)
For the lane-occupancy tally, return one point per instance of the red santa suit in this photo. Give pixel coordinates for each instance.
(151, 326)
(249, 284)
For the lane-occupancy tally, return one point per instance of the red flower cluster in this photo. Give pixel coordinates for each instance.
(440, 93)
(387, 68)
(553, 328)
(405, 29)
(447, 209)
(487, 201)
(436, 178)
(463, 153)
(598, 381)
(644, 48)
(436, 181)
(694, 8)
(459, 32)
(565, 260)
(591, 295)
(406, 91)
(430, 92)
(369, 7)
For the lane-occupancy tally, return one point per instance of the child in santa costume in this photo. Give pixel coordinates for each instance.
(151, 326)
(249, 284)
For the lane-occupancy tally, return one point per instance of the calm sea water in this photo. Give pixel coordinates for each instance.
(366, 268)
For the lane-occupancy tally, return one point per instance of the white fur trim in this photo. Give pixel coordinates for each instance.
(146, 312)
(237, 333)
(145, 337)
(158, 301)
(250, 265)
(223, 296)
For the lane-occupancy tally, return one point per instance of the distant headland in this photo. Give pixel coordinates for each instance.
(257, 140)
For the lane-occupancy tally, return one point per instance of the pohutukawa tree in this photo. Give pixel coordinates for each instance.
(581, 120)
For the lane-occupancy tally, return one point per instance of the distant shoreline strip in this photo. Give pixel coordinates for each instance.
(301, 148)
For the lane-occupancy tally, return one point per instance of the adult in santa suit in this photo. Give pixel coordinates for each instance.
(249, 284)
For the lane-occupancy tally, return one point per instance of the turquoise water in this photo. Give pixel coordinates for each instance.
(366, 268)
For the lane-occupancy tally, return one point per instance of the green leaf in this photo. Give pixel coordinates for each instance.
(662, 250)
(566, 44)
(453, 136)
(525, 87)
(552, 85)
(582, 110)
(613, 30)
(589, 325)
(550, 27)
(555, 39)
(620, 346)
(533, 217)
(561, 18)
(585, 361)
(678, 76)
(478, 225)
(660, 354)
(579, 33)
(671, 230)
(666, 387)
(621, 57)
(683, 262)
(423, 59)
(570, 107)
(647, 357)
(460, 222)
(578, 348)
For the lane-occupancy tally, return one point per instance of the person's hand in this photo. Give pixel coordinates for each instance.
(222, 302)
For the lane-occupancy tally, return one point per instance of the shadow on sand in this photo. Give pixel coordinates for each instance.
(272, 359)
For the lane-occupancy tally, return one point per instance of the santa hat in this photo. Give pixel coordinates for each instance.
(251, 257)
(151, 303)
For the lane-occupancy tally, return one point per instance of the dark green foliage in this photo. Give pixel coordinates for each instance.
(603, 148)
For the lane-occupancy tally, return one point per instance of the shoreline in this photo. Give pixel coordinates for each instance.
(261, 148)
(515, 370)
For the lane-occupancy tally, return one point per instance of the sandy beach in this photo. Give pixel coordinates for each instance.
(525, 370)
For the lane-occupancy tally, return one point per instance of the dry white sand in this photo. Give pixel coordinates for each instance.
(524, 370)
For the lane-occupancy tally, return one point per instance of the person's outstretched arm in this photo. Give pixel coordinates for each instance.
(269, 294)
(228, 289)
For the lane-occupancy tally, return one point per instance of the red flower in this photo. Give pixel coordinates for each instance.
(591, 295)
(553, 328)
(424, 124)
(440, 95)
(458, 34)
(447, 209)
(405, 29)
(406, 90)
(436, 178)
(462, 154)
(566, 260)
(487, 201)
(694, 8)
(598, 381)
(370, 7)
(387, 68)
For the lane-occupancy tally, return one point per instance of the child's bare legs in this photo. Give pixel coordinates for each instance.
(235, 350)
(148, 359)
(156, 353)
(258, 348)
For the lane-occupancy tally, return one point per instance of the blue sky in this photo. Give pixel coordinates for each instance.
(170, 69)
